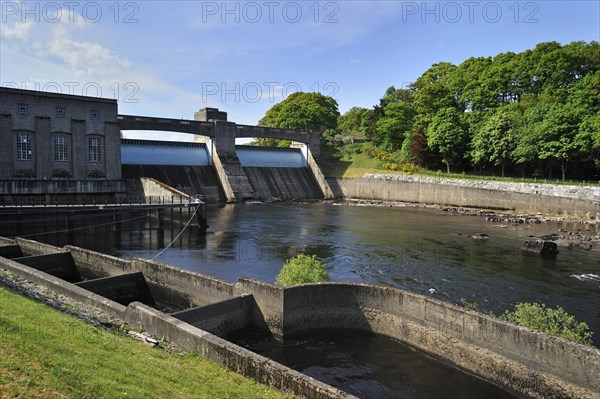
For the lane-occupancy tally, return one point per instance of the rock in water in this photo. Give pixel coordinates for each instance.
(546, 249)
(480, 237)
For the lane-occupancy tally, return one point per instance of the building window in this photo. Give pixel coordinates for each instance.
(60, 112)
(95, 114)
(95, 149)
(22, 108)
(23, 147)
(61, 148)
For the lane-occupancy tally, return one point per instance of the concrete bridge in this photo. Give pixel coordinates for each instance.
(223, 130)
(220, 136)
(134, 122)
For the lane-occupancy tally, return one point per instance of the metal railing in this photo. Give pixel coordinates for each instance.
(29, 201)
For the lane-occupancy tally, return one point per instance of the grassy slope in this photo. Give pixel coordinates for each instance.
(351, 161)
(48, 354)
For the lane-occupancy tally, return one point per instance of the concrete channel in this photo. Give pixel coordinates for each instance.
(196, 311)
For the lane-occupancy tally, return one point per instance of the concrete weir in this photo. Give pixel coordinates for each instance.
(203, 310)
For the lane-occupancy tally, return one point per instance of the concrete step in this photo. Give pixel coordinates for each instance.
(11, 251)
(59, 265)
(220, 318)
(124, 288)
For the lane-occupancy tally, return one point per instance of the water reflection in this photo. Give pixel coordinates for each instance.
(372, 366)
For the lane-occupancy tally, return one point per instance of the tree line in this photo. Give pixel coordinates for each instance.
(534, 113)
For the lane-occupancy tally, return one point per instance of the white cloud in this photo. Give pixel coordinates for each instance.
(91, 58)
(18, 31)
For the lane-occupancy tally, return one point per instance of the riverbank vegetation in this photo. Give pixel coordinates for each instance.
(542, 318)
(532, 114)
(48, 354)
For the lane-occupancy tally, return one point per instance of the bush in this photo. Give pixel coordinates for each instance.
(302, 269)
(549, 320)
(390, 166)
(409, 168)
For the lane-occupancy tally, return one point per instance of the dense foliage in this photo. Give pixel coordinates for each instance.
(535, 114)
(303, 111)
(302, 269)
(549, 320)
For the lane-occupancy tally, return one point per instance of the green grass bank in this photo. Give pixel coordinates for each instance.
(49, 354)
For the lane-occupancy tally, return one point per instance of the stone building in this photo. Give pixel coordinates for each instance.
(56, 144)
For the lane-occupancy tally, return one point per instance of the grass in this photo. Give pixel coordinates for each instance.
(48, 354)
(351, 161)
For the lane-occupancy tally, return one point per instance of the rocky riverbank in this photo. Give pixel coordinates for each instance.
(568, 238)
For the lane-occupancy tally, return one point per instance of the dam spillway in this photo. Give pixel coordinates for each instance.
(271, 173)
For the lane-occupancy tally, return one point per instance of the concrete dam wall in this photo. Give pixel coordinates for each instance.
(463, 196)
(247, 173)
(283, 183)
(202, 310)
(192, 180)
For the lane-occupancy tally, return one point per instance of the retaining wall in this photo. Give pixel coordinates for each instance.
(461, 196)
(526, 361)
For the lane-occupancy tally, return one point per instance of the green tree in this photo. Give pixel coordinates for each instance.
(446, 135)
(302, 269)
(495, 141)
(552, 321)
(349, 125)
(434, 91)
(391, 128)
(304, 111)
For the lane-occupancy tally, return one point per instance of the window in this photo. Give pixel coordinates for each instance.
(23, 147)
(22, 108)
(95, 149)
(60, 112)
(95, 114)
(61, 148)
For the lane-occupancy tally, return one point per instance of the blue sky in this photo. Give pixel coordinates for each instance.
(171, 58)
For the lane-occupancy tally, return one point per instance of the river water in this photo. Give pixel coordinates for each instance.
(420, 249)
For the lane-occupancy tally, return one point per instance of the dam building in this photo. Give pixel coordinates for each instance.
(58, 144)
(55, 145)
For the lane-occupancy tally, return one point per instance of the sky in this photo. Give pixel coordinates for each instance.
(172, 58)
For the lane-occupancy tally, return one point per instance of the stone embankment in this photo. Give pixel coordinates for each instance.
(591, 192)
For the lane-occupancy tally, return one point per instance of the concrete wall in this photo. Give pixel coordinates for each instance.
(170, 286)
(221, 318)
(269, 303)
(529, 362)
(283, 183)
(32, 248)
(33, 187)
(430, 193)
(230, 355)
(318, 174)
